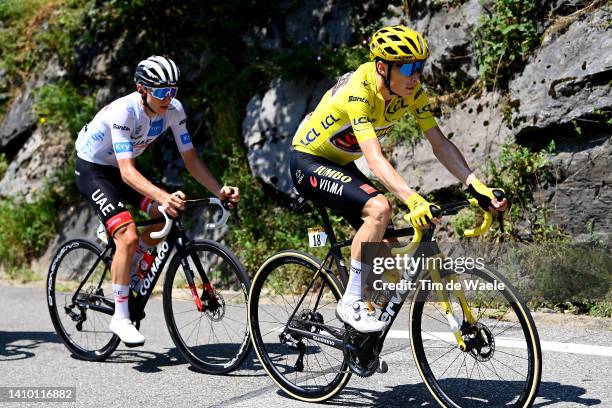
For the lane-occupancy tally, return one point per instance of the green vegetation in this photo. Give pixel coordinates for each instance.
(405, 131)
(574, 277)
(27, 229)
(62, 105)
(504, 38)
(3, 164)
(516, 171)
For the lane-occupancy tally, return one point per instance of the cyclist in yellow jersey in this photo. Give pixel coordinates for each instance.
(348, 122)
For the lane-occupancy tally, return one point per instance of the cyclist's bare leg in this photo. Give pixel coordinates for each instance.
(375, 215)
(126, 240)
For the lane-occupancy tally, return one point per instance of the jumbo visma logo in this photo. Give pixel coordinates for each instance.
(332, 174)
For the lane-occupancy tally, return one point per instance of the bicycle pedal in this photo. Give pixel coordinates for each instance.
(383, 367)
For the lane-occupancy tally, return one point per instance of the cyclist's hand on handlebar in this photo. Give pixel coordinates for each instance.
(173, 202)
(420, 215)
(230, 194)
(489, 199)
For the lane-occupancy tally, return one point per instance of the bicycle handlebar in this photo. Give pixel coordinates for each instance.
(451, 209)
(190, 203)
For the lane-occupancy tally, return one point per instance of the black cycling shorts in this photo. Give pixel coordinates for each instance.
(107, 192)
(344, 189)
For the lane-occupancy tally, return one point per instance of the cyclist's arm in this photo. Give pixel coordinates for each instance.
(200, 172)
(133, 178)
(448, 154)
(384, 171)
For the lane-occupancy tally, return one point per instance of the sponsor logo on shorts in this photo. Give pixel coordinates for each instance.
(331, 187)
(121, 127)
(313, 181)
(332, 174)
(299, 176)
(368, 188)
(100, 199)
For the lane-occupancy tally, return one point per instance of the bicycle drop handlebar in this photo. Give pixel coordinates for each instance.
(451, 209)
(191, 203)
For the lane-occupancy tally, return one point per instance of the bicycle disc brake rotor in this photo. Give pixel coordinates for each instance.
(361, 352)
(480, 342)
(218, 312)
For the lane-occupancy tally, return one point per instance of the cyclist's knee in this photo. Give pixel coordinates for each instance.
(377, 211)
(127, 237)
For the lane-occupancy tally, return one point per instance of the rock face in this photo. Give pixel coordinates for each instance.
(580, 199)
(568, 77)
(452, 58)
(79, 221)
(43, 154)
(19, 121)
(475, 127)
(270, 124)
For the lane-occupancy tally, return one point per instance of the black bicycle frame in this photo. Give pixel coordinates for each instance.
(138, 299)
(391, 310)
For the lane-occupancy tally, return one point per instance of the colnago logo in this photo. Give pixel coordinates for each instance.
(332, 174)
(323, 340)
(331, 187)
(148, 280)
(121, 127)
(358, 99)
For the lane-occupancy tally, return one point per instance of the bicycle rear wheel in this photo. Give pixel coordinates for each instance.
(503, 363)
(215, 340)
(82, 319)
(305, 369)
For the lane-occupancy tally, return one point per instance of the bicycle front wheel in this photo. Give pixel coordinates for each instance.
(211, 332)
(291, 292)
(502, 364)
(81, 318)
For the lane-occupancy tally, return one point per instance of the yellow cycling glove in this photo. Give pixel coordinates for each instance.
(420, 210)
(482, 193)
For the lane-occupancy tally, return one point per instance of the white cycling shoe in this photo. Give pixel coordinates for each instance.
(358, 316)
(126, 332)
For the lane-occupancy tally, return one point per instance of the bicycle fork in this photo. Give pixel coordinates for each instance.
(452, 319)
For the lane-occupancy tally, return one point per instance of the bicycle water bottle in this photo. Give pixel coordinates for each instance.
(142, 268)
(380, 298)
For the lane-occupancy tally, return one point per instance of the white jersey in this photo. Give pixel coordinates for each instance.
(122, 130)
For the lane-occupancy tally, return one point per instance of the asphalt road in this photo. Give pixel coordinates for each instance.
(31, 354)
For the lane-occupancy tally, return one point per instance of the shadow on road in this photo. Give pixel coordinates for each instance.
(16, 345)
(417, 395)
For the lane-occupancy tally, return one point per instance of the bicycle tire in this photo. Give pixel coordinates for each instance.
(68, 266)
(222, 358)
(452, 392)
(263, 284)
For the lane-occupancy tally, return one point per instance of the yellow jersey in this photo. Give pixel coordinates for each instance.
(353, 111)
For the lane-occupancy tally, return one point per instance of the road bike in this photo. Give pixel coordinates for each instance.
(475, 345)
(204, 295)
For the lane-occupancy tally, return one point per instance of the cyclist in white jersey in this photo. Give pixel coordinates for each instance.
(107, 176)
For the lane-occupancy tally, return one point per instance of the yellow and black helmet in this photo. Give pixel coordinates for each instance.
(398, 43)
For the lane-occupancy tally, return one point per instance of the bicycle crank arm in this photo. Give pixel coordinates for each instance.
(330, 341)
